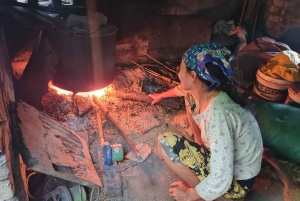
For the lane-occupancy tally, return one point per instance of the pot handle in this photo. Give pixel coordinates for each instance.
(80, 33)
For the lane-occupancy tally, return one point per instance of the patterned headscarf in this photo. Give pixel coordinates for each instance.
(198, 55)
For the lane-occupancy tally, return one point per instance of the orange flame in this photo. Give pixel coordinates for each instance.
(98, 93)
(60, 91)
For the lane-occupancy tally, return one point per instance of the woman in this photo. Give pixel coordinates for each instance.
(226, 156)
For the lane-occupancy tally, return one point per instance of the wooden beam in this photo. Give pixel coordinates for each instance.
(17, 181)
(48, 147)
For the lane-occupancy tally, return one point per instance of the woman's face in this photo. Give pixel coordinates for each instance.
(185, 77)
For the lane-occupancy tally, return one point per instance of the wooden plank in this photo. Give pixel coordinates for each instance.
(6, 144)
(6, 86)
(50, 148)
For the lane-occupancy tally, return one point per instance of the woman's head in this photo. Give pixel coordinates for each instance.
(210, 62)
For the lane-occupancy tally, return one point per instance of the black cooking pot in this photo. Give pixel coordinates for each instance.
(86, 60)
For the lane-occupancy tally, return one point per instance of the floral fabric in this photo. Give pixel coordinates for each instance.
(197, 159)
(198, 55)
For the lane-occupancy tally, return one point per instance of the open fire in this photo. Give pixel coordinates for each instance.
(60, 91)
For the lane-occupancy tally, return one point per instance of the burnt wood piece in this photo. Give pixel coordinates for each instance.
(101, 139)
(48, 147)
(87, 110)
(168, 102)
(100, 128)
(16, 175)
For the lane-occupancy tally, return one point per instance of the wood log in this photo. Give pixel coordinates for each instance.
(101, 139)
(48, 147)
(113, 121)
(168, 102)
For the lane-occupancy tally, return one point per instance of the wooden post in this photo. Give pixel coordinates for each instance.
(16, 176)
(50, 148)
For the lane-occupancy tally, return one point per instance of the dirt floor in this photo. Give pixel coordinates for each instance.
(142, 122)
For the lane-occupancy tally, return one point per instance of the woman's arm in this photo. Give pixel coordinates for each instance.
(182, 192)
(159, 96)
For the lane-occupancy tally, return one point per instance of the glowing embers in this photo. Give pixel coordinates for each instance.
(98, 93)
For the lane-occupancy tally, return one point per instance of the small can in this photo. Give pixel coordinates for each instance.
(117, 152)
(107, 153)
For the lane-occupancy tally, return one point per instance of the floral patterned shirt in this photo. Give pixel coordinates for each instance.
(233, 137)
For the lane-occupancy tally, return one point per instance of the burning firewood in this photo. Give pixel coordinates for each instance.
(144, 98)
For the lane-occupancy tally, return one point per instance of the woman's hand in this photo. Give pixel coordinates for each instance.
(182, 192)
(156, 97)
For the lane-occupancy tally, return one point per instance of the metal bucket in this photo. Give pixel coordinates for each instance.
(86, 60)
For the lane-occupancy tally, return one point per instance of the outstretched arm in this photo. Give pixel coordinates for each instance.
(159, 96)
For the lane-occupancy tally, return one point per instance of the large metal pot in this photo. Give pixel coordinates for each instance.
(86, 60)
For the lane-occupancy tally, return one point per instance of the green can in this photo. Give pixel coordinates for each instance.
(117, 152)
